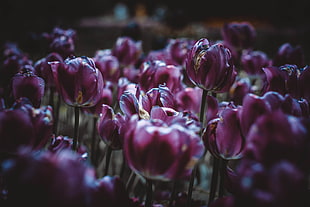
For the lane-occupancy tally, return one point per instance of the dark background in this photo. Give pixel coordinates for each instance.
(21, 18)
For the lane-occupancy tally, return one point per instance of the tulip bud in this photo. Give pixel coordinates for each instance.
(254, 61)
(210, 67)
(287, 54)
(27, 84)
(78, 81)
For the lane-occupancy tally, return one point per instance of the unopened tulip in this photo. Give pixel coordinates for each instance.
(78, 81)
(210, 67)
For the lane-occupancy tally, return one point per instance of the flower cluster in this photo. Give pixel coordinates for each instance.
(91, 131)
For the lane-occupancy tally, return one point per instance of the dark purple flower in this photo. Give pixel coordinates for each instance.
(49, 179)
(61, 143)
(110, 192)
(43, 68)
(127, 50)
(223, 136)
(108, 65)
(63, 45)
(276, 136)
(189, 99)
(110, 127)
(34, 127)
(160, 96)
(304, 83)
(158, 73)
(253, 107)
(254, 61)
(157, 151)
(287, 54)
(239, 90)
(27, 84)
(210, 67)
(178, 48)
(106, 98)
(78, 81)
(239, 35)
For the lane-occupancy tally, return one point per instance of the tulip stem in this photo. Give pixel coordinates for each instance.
(223, 166)
(94, 142)
(194, 172)
(173, 193)
(149, 193)
(76, 128)
(214, 180)
(107, 160)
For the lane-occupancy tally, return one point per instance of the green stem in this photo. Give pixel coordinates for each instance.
(149, 193)
(201, 119)
(214, 180)
(107, 160)
(76, 128)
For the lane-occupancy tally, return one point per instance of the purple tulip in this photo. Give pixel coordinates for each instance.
(160, 96)
(63, 143)
(223, 136)
(63, 45)
(34, 126)
(270, 140)
(158, 73)
(49, 179)
(27, 84)
(178, 49)
(282, 184)
(254, 61)
(127, 50)
(210, 67)
(108, 65)
(239, 90)
(58, 32)
(239, 35)
(106, 98)
(43, 68)
(110, 127)
(110, 191)
(189, 99)
(253, 107)
(78, 81)
(287, 54)
(159, 152)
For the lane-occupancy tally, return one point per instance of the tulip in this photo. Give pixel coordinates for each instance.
(63, 45)
(287, 54)
(239, 90)
(43, 68)
(34, 126)
(108, 65)
(158, 73)
(177, 49)
(254, 61)
(188, 99)
(79, 83)
(223, 136)
(239, 35)
(159, 152)
(27, 84)
(282, 184)
(49, 179)
(127, 50)
(253, 107)
(110, 191)
(210, 67)
(270, 140)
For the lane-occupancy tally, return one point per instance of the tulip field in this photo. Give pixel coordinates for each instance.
(200, 122)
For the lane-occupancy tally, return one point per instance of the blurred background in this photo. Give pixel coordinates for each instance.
(99, 22)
